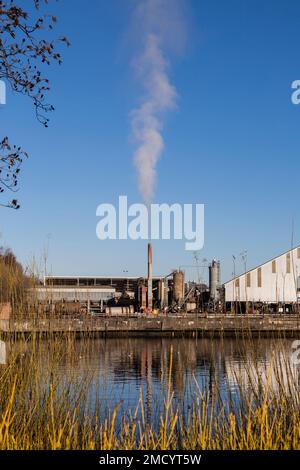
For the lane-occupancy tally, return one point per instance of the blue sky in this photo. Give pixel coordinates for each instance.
(232, 143)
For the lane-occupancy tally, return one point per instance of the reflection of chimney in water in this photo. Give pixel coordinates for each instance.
(149, 294)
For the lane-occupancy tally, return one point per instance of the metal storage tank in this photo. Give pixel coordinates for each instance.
(161, 292)
(214, 280)
(178, 281)
(142, 296)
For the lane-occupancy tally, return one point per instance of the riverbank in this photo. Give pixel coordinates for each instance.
(205, 325)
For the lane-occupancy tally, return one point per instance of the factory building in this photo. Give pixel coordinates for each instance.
(275, 283)
(71, 289)
(118, 295)
(102, 293)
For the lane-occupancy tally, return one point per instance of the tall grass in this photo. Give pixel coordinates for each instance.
(46, 406)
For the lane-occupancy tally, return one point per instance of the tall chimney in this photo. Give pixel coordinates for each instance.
(149, 293)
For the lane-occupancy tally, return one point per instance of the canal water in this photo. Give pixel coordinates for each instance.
(122, 371)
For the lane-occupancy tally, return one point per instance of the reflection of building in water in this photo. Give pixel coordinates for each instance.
(272, 371)
(2, 352)
(215, 364)
(129, 364)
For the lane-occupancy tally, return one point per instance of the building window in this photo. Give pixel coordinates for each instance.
(248, 280)
(274, 267)
(298, 253)
(259, 279)
(288, 263)
(237, 282)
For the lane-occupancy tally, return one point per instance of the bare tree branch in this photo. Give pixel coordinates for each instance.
(24, 48)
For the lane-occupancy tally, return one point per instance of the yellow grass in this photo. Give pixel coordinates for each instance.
(43, 408)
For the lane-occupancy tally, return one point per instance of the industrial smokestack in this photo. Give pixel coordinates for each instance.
(149, 293)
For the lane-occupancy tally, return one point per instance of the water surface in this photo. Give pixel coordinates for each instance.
(120, 371)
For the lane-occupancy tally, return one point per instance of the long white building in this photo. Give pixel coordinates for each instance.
(273, 282)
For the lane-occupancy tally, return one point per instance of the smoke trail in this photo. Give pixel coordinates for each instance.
(159, 94)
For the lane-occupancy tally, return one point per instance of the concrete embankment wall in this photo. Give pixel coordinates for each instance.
(167, 325)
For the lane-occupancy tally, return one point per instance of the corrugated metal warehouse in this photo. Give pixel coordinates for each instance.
(74, 294)
(83, 288)
(276, 281)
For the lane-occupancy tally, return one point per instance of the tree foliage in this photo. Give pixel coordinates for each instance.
(13, 281)
(25, 45)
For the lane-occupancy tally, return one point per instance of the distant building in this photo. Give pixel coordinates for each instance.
(76, 289)
(275, 282)
(95, 292)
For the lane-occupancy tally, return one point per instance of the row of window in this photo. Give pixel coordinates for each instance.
(274, 270)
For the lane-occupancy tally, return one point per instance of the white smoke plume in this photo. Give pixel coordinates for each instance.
(159, 96)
